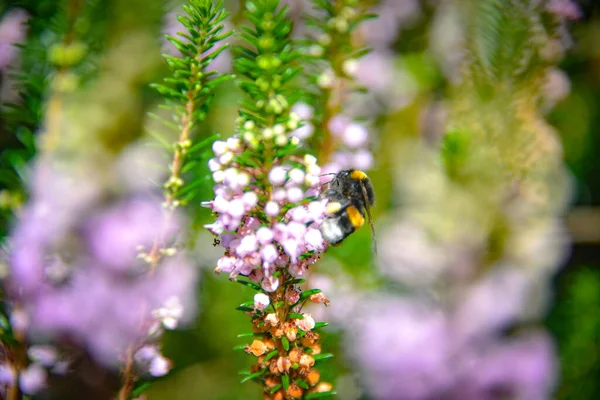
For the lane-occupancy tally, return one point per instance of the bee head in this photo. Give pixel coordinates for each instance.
(355, 184)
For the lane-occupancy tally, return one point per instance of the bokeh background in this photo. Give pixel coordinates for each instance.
(412, 76)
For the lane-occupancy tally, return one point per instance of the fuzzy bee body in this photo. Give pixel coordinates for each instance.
(350, 194)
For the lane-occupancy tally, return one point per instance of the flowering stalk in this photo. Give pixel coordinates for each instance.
(268, 211)
(335, 61)
(188, 92)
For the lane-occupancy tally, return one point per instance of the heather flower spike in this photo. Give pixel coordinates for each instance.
(268, 210)
(333, 55)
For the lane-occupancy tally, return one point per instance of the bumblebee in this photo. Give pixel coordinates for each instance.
(350, 194)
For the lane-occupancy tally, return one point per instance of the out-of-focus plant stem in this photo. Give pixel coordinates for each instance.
(332, 98)
(128, 375)
(61, 81)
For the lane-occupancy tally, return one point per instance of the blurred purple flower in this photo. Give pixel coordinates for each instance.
(565, 8)
(12, 32)
(418, 262)
(407, 348)
(33, 379)
(107, 297)
(392, 16)
(521, 368)
(116, 236)
(480, 314)
(402, 348)
(7, 376)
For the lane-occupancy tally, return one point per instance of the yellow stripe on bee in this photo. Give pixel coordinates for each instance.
(358, 175)
(356, 218)
(333, 207)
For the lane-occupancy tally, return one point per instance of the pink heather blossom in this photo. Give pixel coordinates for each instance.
(295, 194)
(272, 209)
(277, 175)
(248, 245)
(220, 204)
(292, 295)
(219, 148)
(249, 199)
(226, 158)
(315, 210)
(236, 208)
(270, 283)
(299, 214)
(214, 165)
(216, 228)
(307, 323)
(292, 248)
(264, 235)
(314, 239)
(226, 240)
(261, 301)
(296, 176)
(299, 270)
(279, 195)
(234, 144)
(280, 231)
(282, 260)
(296, 230)
(269, 253)
(269, 224)
(252, 223)
(226, 264)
